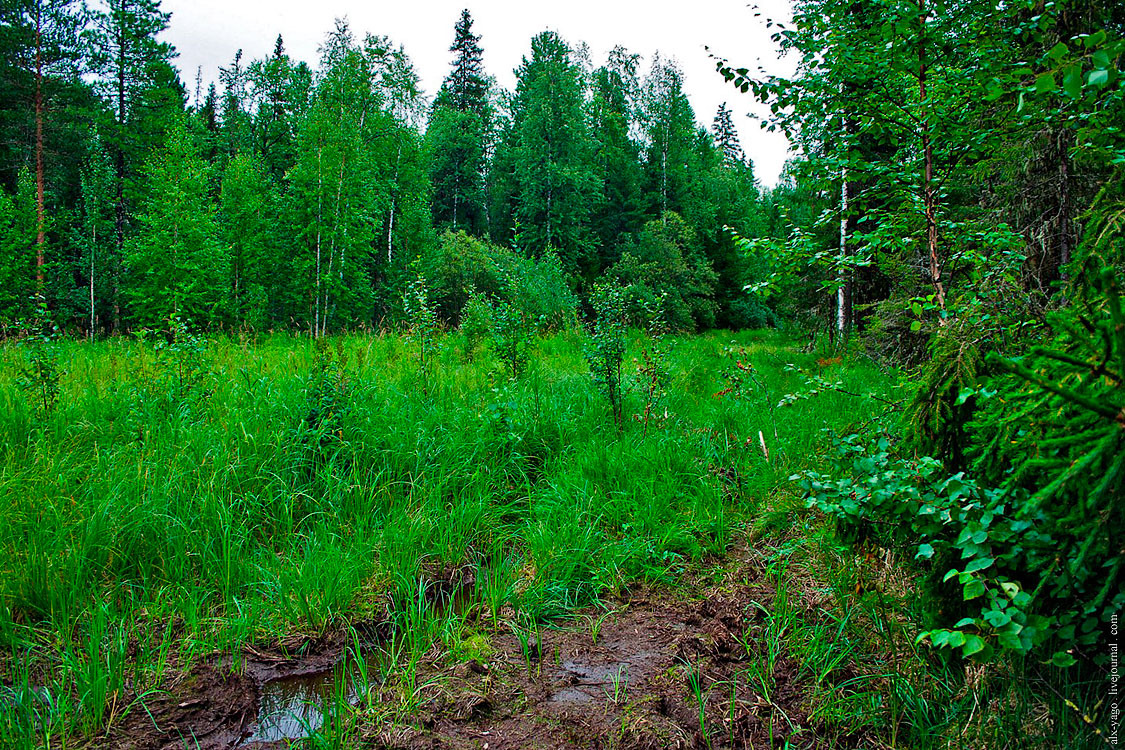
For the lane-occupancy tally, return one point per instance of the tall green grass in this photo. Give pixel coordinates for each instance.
(146, 522)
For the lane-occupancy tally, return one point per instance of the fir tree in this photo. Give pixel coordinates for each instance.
(554, 175)
(466, 87)
(458, 135)
(176, 264)
(726, 137)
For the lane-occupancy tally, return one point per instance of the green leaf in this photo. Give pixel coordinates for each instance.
(979, 564)
(974, 589)
(1058, 52)
(996, 618)
(916, 308)
(925, 552)
(1045, 83)
(1098, 78)
(1062, 659)
(974, 644)
(1072, 81)
(916, 326)
(950, 574)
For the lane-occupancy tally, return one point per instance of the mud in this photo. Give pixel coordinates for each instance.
(276, 694)
(663, 672)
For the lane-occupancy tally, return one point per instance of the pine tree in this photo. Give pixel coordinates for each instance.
(620, 210)
(457, 138)
(129, 61)
(726, 137)
(41, 47)
(554, 175)
(175, 263)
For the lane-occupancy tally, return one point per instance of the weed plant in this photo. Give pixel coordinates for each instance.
(315, 486)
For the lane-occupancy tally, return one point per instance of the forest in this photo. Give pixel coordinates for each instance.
(340, 414)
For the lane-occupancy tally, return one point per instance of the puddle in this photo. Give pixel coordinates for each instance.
(291, 708)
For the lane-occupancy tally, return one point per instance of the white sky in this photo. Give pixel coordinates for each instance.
(208, 32)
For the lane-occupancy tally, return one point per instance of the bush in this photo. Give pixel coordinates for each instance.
(1040, 551)
(460, 264)
(605, 346)
(972, 543)
(666, 262)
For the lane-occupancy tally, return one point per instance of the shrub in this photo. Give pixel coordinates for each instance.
(605, 345)
(666, 262)
(422, 320)
(512, 334)
(40, 375)
(459, 264)
(476, 323)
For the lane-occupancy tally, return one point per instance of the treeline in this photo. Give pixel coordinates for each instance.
(308, 197)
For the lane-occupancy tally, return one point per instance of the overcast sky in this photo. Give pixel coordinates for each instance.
(208, 32)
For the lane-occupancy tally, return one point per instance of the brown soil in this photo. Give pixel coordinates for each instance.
(631, 689)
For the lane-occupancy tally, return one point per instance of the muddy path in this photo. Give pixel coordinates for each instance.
(689, 670)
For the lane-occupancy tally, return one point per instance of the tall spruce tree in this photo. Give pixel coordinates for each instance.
(175, 262)
(613, 102)
(457, 138)
(726, 137)
(554, 177)
(130, 61)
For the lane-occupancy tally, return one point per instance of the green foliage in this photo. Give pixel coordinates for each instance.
(476, 323)
(247, 209)
(17, 237)
(175, 264)
(329, 404)
(460, 264)
(1050, 424)
(553, 177)
(40, 373)
(653, 367)
(958, 530)
(422, 322)
(665, 265)
(605, 346)
(512, 334)
(937, 414)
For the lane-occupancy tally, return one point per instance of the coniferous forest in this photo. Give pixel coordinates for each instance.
(335, 413)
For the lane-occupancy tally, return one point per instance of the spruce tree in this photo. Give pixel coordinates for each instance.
(175, 263)
(726, 137)
(129, 61)
(458, 135)
(554, 174)
(466, 87)
(620, 211)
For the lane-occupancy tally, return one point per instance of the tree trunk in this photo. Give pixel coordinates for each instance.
(40, 215)
(93, 252)
(841, 278)
(319, 228)
(394, 202)
(929, 201)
